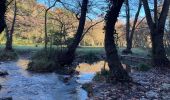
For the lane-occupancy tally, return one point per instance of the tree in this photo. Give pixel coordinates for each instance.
(130, 33)
(9, 34)
(157, 25)
(45, 26)
(114, 63)
(2, 15)
(69, 56)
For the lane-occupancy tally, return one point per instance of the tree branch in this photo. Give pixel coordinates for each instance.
(148, 14)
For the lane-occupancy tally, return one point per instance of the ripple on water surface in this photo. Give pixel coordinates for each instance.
(23, 85)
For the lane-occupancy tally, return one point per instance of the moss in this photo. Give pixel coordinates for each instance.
(8, 55)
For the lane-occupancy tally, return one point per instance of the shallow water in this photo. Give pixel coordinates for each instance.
(23, 85)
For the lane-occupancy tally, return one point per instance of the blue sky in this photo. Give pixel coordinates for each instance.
(142, 14)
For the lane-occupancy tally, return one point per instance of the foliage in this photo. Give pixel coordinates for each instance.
(8, 55)
(50, 54)
(41, 65)
(47, 61)
(44, 61)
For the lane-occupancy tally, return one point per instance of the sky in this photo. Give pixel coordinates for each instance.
(99, 11)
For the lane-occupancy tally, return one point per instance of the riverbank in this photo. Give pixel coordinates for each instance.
(155, 85)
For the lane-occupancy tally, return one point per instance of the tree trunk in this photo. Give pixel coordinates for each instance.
(128, 41)
(2, 15)
(68, 58)
(8, 45)
(157, 27)
(45, 28)
(45, 25)
(129, 35)
(159, 57)
(9, 36)
(114, 63)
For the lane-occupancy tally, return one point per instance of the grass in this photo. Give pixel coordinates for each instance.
(41, 65)
(90, 57)
(8, 55)
(80, 50)
(85, 50)
(84, 54)
(102, 76)
(142, 52)
(47, 61)
(43, 61)
(23, 49)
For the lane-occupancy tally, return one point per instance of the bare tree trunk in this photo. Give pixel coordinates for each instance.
(128, 45)
(157, 27)
(45, 24)
(9, 34)
(68, 58)
(129, 35)
(46, 34)
(2, 15)
(114, 63)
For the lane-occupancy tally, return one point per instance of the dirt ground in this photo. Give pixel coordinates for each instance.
(154, 85)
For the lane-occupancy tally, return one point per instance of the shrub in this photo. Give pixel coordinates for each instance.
(103, 75)
(47, 61)
(8, 55)
(50, 54)
(41, 65)
(43, 61)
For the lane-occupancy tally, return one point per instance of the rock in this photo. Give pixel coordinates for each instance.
(165, 86)
(6, 98)
(151, 94)
(3, 73)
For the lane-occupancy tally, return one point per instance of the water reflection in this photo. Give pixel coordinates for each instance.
(23, 85)
(91, 68)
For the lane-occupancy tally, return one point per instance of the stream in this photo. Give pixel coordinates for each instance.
(23, 85)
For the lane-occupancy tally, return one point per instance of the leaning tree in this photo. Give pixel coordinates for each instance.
(68, 57)
(115, 66)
